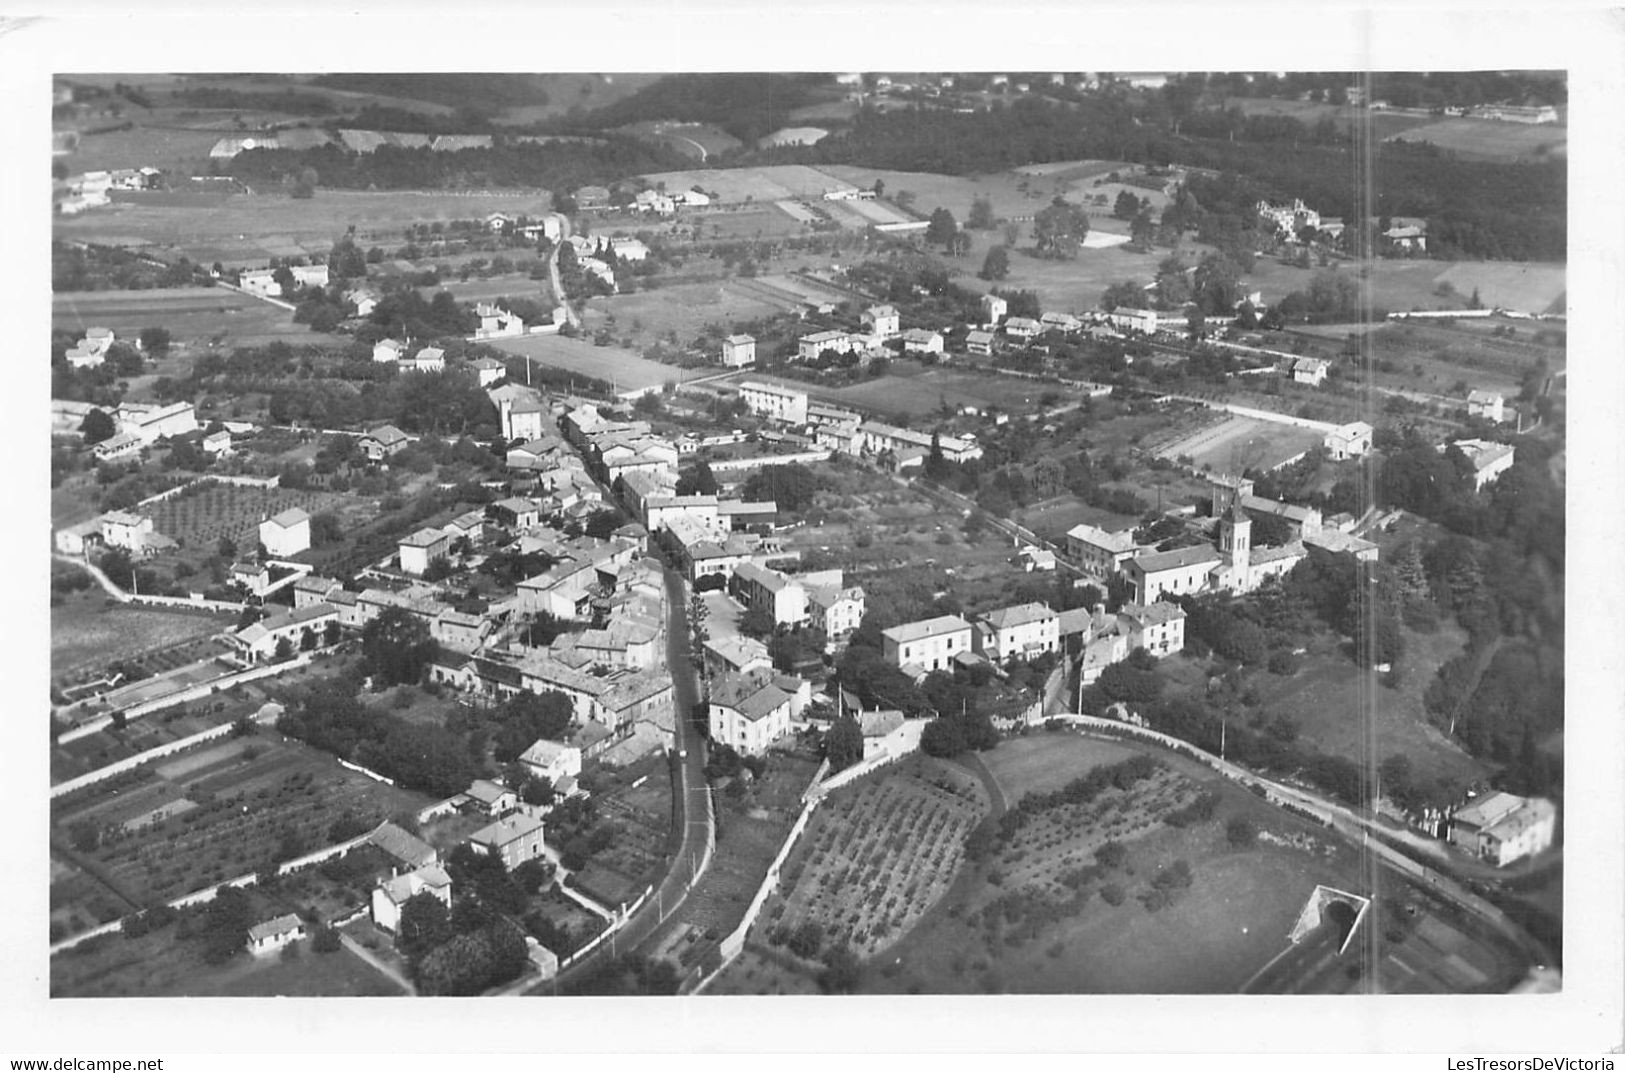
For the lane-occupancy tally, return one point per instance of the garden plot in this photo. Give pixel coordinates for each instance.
(87, 632)
(876, 857)
(199, 517)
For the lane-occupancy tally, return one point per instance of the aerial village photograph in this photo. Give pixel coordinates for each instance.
(879, 533)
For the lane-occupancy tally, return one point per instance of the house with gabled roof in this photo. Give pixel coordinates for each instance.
(1024, 630)
(514, 839)
(927, 644)
(750, 713)
(272, 935)
(383, 442)
(391, 895)
(286, 534)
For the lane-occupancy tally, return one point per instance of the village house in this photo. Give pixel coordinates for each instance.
(487, 371)
(217, 444)
(1023, 328)
(875, 438)
(885, 731)
(363, 300)
(1158, 628)
(286, 534)
(383, 442)
(458, 631)
(739, 351)
(390, 895)
(387, 350)
(149, 424)
(272, 935)
(421, 548)
(514, 840)
(1489, 460)
(922, 341)
(430, 359)
(979, 342)
(1490, 405)
(558, 763)
(1099, 552)
(994, 310)
(301, 628)
(1060, 322)
(1024, 631)
(752, 712)
(1311, 371)
(835, 610)
(775, 402)
(1502, 828)
(811, 347)
(926, 645)
(881, 320)
(1348, 441)
(490, 798)
(737, 655)
(125, 529)
(1143, 321)
(761, 589)
(522, 419)
(496, 322)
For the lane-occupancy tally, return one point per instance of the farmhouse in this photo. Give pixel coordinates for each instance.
(491, 798)
(383, 442)
(739, 351)
(422, 548)
(514, 840)
(1407, 233)
(122, 529)
(286, 534)
(217, 443)
(751, 713)
(884, 731)
(1486, 404)
(390, 895)
(926, 645)
(1024, 631)
(72, 539)
(1348, 441)
(1489, 460)
(273, 935)
(387, 350)
(1502, 827)
(771, 400)
(364, 301)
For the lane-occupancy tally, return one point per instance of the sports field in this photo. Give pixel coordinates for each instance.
(624, 369)
(1239, 443)
(241, 229)
(1491, 138)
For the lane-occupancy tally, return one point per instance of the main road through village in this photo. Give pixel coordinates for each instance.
(692, 803)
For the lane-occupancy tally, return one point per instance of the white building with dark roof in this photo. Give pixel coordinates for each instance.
(927, 644)
(1100, 553)
(739, 351)
(1489, 405)
(1024, 631)
(1159, 628)
(775, 401)
(1489, 460)
(1352, 440)
(1502, 828)
(750, 713)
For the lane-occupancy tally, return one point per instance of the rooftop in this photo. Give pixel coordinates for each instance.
(930, 627)
(1156, 561)
(290, 518)
(1006, 618)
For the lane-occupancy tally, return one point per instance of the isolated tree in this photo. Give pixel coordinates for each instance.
(154, 340)
(1127, 206)
(97, 426)
(996, 265)
(1059, 230)
(843, 743)
(1120, 295)
(396, 646)
(697, 480)
(936, 463)
(941, 228)
(981, 215)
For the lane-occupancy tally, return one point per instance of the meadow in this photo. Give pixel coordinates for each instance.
(1490, 138)
(192, 315)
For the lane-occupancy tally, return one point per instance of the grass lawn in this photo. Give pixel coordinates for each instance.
(1490, 138)
(1336, 707)
(686, 309)
(85, 630)
(1043, 762)
(308, 973)
(193, 315)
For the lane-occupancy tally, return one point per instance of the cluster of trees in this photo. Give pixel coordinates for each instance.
(791, 486)
(472, 94)
(333, 718)
(1059, 230)
(91, 267)
(746, 105)
(562, 165)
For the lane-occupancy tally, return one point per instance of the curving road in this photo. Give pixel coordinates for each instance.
(691, 799)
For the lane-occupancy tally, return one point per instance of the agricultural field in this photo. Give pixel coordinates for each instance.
(642, 815)
(912, 390)
(193, 316)
(1014, 195)
(1234, 444)
(1383, 124)
(198, 518)
(1523, 286)
(242, 229)
(780, 182)
(87, 631)
(1043, 915)
(1401, 285)
(231, 815)
(877, 855)
(759, 223)
(625, 369)
(1066, 286)
(697, 140)
(1491, 139)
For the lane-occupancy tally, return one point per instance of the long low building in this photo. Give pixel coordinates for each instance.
(874, 437)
